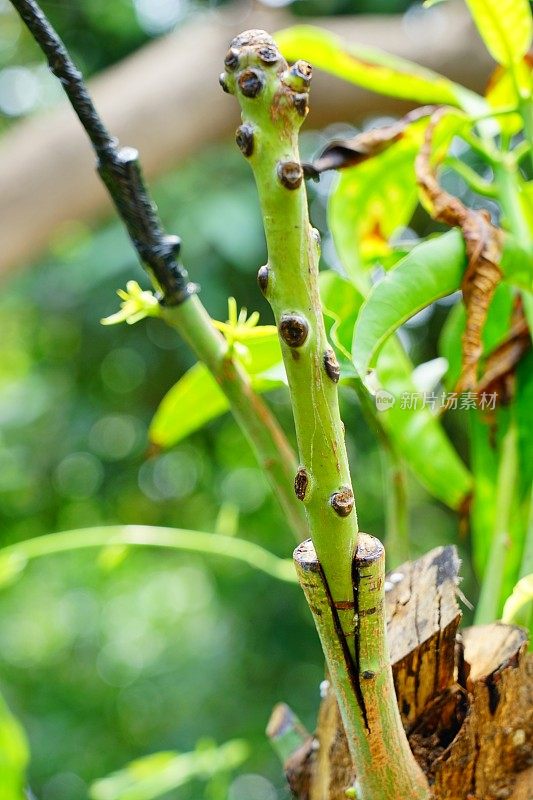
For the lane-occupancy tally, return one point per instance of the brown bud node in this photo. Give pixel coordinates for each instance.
(331, 365)
(231, 61)
(342, 502)
(300, 101)
(293, 329)
(245, 139)
(222, 80)
(268, 55)
(290, 174)
(301, 482)
(251, 81)
(303, 71)
(262, 278)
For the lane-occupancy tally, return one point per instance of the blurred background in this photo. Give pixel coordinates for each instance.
(105, 660)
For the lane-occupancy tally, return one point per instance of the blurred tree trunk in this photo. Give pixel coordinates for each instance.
(165, 101)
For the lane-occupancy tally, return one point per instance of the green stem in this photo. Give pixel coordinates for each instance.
(526, 566)
(255, 419)
(396, 507)
(487, 609)
(384, 764)
(273, 100)
(470, 176)
(507, 179)
(394, 481)
(16, 556)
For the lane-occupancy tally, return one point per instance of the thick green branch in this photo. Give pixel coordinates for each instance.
(385, 767)
(273, 99)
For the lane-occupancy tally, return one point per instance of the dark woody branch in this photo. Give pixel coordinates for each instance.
(118, 167)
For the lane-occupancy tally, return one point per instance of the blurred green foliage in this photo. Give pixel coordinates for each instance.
(105, 665)
(107, 660)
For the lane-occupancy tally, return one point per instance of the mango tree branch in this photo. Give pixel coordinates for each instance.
(347, 608)
(120, 171)
(274, 103)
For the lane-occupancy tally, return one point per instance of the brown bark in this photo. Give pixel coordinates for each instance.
(466, 700)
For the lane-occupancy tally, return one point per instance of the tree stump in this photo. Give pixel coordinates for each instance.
(466, 698)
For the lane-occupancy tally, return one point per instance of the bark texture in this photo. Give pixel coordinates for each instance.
(466, 700)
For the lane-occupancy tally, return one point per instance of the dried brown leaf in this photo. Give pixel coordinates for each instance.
(483, 242)
(499, 371)
(342, 153)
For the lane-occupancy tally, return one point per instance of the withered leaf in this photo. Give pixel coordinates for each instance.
(499, 372)
(483, 242)
(342, 153)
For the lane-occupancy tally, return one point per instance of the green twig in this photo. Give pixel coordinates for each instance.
(255, 419)
(490, 596)
(396, 507)
(470, 176)
(15, 556)
(120, 170)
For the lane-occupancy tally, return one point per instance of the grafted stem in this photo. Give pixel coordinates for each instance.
(348, 609)
(386, 769)
(273, 99)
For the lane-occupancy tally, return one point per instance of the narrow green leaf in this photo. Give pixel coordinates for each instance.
(197, 399)
(154, 775)
(369, 67)
(505, 27)
(372, 201)
(431, 270)
(14, 755)
(190, 404)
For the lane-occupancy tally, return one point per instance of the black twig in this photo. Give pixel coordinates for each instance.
(119, 167)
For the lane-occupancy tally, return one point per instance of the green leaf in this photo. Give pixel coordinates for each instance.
(369, 67)
(502, 93)
(522, 596)
(14, 755)
(505, 27)
(196, 398)
(435, 463)
(154, 775)
(372, 201)
(341, 302)
(431, 270)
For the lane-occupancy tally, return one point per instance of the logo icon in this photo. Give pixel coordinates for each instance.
(384, 400)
